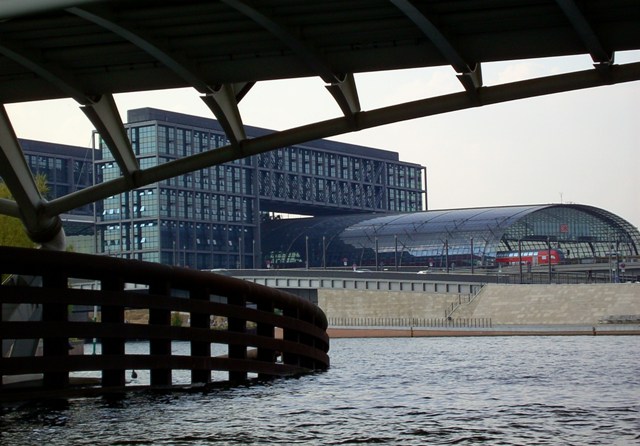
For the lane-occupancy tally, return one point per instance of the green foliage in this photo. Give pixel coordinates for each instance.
(12, 231)
(176, 319)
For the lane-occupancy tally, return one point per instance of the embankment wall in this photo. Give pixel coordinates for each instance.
(503, 304)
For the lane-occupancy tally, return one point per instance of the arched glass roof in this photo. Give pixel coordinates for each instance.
(444, 237)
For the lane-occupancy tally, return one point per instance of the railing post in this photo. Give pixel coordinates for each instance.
(160, 376)
(55, 348)
(200, 349)
(1, 337)
(291, 335)
(112, 314)
(237, 351)
(265, 330)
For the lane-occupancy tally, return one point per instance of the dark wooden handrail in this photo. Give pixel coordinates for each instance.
(303, 347)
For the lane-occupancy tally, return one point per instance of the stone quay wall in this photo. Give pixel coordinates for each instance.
(584, 304)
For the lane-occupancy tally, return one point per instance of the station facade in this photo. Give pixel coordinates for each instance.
(366, 208)
(213, 217)
(483, 237)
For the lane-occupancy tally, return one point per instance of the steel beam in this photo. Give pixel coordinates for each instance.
(221, 100)
(16, 8)
(152, 46)
(102, 112)
(9, 207)
(304, 52)
(16, 174)
(51, 73)
(104, 115)
(14, 169)
(586, 32)
(224, 105)
(346, 95)
(366, 119)
(470, 74)
(342, 88)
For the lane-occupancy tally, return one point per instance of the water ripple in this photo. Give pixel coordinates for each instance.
(440, 391)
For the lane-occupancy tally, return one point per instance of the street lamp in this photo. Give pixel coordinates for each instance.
(446, 253)
(376, 253)
(520, 257)
(472, 259)
(324, 253)
(549, 256)
(395, 254)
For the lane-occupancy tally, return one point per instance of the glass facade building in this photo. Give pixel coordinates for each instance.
(212, 218)
(67, 169)
(367, 208)
(452, 237)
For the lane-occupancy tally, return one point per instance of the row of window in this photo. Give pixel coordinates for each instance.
(63, 175)
(205, 206)
(327, 164)
(117, 239)
(172, 203)
(177, 142)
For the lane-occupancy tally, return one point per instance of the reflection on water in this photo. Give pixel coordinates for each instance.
(410, 391)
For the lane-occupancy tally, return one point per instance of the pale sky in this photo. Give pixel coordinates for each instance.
(578, 147)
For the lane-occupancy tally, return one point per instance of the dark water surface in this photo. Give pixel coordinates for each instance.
(406, 391)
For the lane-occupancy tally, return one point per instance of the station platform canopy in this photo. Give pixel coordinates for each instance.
(484, 236)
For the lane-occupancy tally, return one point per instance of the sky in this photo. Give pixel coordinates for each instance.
(577, 147)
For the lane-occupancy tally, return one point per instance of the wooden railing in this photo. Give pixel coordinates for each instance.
(254, 314)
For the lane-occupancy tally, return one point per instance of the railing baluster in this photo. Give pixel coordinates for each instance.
(237, 325)
(242, 303)
(113, 346)
(200, 349)
(265, 330)
(55, 348)
(160, 375)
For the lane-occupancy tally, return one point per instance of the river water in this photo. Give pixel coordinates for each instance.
(404, 391)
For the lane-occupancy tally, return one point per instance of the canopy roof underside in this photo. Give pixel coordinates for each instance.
(97, 47)
(88, 50)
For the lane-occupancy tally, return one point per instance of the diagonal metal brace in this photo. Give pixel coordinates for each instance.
(17, 176)
(471, 80)
(224, 105)
(346, 95)
(104, 115)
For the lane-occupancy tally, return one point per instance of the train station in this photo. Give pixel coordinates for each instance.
(476, 237)
(364, 208)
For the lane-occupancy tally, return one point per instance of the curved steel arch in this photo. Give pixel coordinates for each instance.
(91, 49)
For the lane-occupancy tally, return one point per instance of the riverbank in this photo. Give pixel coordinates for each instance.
(510, 330)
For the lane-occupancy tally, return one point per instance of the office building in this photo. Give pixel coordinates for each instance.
(67, 169)
(212, 218)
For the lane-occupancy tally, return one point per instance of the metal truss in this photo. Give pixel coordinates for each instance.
(434, 37)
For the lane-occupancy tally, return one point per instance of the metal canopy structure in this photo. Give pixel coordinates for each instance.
(89, 50)
(582, 233)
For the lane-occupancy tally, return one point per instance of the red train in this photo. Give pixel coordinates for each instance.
(540, 257)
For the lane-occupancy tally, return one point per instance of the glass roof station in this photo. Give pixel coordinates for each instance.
(482, 237)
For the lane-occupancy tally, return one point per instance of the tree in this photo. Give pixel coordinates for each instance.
(12, 232)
